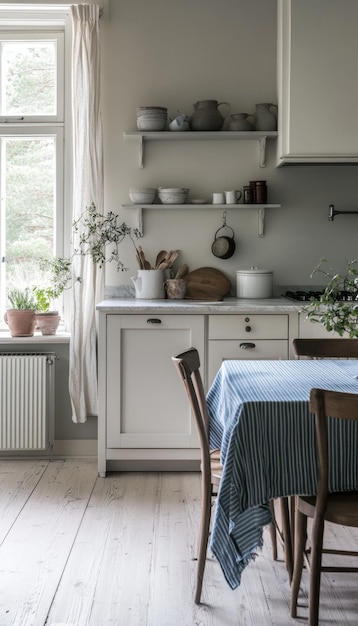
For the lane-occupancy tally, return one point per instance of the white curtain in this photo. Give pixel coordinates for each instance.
(87, 188)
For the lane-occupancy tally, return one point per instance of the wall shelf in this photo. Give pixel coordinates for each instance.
(260, 136)
(261, 208)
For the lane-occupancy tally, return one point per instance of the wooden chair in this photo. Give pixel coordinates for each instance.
(313, 349)
(339, 508)
(188, 364)
(335, 348)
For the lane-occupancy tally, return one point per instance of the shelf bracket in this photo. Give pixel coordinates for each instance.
(333, 212)
(262, 152)
(261, 216)
(140, 220)
(141, 151)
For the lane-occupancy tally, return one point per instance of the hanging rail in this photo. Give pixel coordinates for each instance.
(332, 212)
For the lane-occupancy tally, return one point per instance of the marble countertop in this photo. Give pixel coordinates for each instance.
(228, 305)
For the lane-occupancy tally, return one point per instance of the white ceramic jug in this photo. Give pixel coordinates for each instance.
(149, 284)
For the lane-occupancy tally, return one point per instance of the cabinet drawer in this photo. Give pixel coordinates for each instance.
(219, 351)
(246, 327)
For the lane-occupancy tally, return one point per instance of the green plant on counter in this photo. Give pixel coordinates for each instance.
(22, 299)
(335, 315)
(97, 231)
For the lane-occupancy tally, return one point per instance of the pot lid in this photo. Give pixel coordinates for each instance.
(254, 270)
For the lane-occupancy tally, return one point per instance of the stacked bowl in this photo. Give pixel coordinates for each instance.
(145, 195)
(173, 195)
(152, 118)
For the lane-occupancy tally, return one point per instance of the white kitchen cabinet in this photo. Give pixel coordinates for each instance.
(246, 337)
(144, 412)
(317, 81)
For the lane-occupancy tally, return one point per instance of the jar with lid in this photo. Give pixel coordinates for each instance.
(260, 192)
(249, 194)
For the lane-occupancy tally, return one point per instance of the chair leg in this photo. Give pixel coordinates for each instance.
(203, 538)
(300, 542)
(287, 536)
(315, 573)
(273, 531)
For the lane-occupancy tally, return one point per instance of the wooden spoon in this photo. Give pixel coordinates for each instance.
(173, 257)
(182, 271)
(160, 257)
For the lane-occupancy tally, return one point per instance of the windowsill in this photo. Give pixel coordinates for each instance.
(60, 337)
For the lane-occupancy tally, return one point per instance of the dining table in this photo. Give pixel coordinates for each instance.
(259, 417)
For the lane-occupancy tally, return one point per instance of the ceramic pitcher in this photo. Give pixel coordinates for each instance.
(149, 284)
(266, 116)
(207, 116)
(241, 121)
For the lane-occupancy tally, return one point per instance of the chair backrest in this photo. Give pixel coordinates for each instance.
(187, 364)
(335, 404)
(326, 348)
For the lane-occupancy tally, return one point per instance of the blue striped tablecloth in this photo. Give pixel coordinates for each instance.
(259, 417)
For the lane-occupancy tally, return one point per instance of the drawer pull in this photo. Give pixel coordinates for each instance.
(153, 320)
(248, 329)
(247, 346)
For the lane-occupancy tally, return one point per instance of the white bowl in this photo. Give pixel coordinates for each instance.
(151, 124)
(146, 195)
(173, 196)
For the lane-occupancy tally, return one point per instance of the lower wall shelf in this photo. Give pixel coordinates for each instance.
(204, 207)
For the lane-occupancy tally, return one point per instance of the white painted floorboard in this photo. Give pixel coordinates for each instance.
(78, 550)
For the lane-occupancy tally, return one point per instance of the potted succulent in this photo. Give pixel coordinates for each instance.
(336, 315)
(21, 316)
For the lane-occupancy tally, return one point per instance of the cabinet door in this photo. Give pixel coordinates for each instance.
(146, 403)
(317, 80)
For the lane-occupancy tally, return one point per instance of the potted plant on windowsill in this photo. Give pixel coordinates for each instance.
(336, 315)
(21, 316)
(60, 277)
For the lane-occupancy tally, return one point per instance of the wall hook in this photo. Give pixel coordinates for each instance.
(332, 212)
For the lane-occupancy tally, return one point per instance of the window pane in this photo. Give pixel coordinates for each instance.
(28, 207)
(28, 78)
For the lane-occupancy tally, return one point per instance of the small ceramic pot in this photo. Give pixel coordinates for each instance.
(175, 288)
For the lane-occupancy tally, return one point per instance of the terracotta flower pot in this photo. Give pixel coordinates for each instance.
(21, 323)
(48, 322)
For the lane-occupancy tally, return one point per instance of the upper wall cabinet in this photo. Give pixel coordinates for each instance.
(317, 81)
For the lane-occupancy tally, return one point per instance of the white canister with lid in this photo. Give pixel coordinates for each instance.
(254, 283)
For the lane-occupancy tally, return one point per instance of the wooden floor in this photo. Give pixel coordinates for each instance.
(80, 550)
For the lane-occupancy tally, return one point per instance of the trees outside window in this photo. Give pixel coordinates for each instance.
(32, 126)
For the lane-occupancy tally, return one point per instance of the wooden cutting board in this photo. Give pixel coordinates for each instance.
(207, 283)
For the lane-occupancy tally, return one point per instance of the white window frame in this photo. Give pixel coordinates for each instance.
(55, 22)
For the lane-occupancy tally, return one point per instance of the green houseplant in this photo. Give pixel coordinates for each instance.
(20, 316)
(100, 236)
(335, 315)
(59, 272)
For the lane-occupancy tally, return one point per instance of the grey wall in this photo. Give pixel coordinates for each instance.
(173, 53)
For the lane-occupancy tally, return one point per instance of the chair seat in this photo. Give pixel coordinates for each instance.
(342, 507)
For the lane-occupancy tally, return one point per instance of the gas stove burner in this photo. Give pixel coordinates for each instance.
(303, 296)
(306, 295)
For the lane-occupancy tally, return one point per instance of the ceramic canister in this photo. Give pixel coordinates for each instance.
(254, 283)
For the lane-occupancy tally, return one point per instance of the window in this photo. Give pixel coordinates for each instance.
(33, 85)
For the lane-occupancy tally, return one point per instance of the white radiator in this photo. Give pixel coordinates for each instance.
(26, 401)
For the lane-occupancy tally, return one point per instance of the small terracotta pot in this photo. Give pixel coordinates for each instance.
(21, 323)
(48, 322)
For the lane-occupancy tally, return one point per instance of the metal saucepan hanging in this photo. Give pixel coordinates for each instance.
(223, 246)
